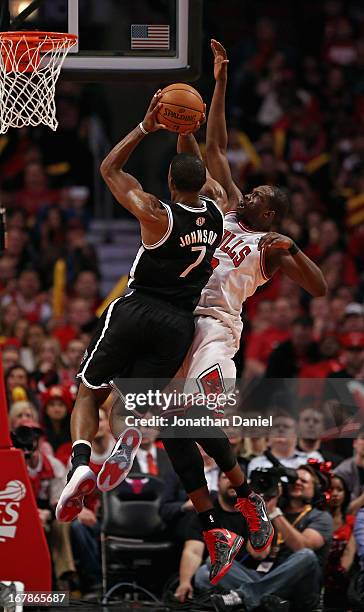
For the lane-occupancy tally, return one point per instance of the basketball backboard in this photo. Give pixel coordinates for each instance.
(122, 39)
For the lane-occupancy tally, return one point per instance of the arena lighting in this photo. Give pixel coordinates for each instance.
(17, 6)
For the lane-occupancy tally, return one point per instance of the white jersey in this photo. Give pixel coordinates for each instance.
(239, 269)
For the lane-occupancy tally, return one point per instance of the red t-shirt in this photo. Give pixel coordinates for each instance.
(319, 371)
(261, 344)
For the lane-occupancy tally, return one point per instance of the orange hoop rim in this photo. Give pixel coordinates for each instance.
(34, 36)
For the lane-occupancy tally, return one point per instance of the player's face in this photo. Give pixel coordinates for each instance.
(254, 208)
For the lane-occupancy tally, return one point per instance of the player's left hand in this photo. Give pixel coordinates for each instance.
(274, 240)
(220, 59)
(197, 125)
(150, 122)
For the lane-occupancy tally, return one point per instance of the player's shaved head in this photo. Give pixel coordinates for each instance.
(279, 202)
(262, 207)
(188, 173)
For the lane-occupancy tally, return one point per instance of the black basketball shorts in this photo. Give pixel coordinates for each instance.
(137, 337)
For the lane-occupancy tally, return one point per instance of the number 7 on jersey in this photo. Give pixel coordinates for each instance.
(195, 263)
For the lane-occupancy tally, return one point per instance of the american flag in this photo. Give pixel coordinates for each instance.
(149, 36)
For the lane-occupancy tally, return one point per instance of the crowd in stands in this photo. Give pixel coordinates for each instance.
(296, 119)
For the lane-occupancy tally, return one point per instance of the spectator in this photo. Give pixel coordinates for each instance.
(150, 459)
(48, 364)
(261, 343)
(310, 430)
(282, 443)
(194, 547)
(35, 193)
(10, 355)
(15, 377)
(87, 287)
(343, 548)
(21, 413)
(290, 356)
(32, 304)
(352, 472)
(79, 318)
(9, 314)
(34, 342)
(359, 536)
(339, 388)
(296, 573)
(56, 418)
(71, 358)
(353, 320)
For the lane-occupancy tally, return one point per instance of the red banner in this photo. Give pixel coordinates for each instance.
(4, 428)
(24, 554)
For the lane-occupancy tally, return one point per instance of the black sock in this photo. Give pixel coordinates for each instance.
(209, 519)
(81, 454)
(243, 490)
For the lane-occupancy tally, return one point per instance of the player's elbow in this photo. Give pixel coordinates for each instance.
(320, 287)
(105, 168)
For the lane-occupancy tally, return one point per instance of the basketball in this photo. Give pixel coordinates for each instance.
(14, 490)
(182, 107)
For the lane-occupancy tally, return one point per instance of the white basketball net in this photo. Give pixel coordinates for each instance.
(29, 70)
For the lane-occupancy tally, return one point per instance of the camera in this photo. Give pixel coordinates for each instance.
(26, 439)
(265, 481)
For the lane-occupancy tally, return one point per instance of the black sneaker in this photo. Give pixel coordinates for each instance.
(273, 603)
(224, 603)
(260, 528)
(223, 545)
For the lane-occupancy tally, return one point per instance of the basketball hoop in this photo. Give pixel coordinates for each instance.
(30, 63)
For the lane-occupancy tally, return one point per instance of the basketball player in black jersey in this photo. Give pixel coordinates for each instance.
(146, 334)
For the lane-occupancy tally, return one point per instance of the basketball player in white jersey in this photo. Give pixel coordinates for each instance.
(248, 256)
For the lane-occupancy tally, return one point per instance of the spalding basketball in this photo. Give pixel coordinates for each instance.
(182, 107)
(14, 490)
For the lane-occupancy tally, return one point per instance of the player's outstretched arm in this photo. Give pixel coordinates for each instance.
(125, 188)
(216, 137)
(281, 252)
(187, 143)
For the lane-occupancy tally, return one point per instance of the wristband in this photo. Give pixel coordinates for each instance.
(141, 126)
(275, 514)
(294, 249)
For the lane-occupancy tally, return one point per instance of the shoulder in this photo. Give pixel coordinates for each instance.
(212, 205)
(345, 466)
(59, 469)
(321, 520)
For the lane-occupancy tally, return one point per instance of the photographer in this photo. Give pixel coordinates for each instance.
(47, 476)
(293, 568)
(194, 548)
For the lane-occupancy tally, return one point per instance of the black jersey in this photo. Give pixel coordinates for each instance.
(177, 267)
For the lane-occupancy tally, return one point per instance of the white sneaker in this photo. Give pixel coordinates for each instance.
(81, 483)
(118, 465)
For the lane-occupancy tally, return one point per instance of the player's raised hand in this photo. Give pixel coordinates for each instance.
(197, 125)
(150, 122)
(274, 240)
(220, 59)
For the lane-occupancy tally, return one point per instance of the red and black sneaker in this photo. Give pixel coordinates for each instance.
(260, 528)
(223, 546)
